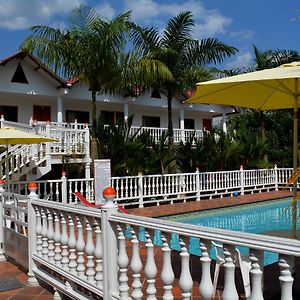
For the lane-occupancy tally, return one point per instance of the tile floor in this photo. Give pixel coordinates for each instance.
(10, 270)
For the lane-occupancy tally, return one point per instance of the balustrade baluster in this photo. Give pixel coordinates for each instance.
(206, 287)
(285, 278)
(89, 249)
(149, 185)
(50, 236)
(64, 242)
(81, 188)
(123, 262)
(153, 185)
(57, 237)
(126, 187)
(72, 245)
(122, 188)
(150, 267)
(44, 232)
(38, 231)
(98, 254)
(256, 279)
(51, 191)
(70, 192)
(131, 187)
(229, 292)
(92, 191)
(57, 192)
(80, 245)
(136, 266)
(167, 274)
(185, 279)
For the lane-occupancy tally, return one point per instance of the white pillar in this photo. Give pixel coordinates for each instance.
(59, 109)
(181, 117)
(224, 125)
(32, 281)
(2, 257)
(110, 268)
(125, 110)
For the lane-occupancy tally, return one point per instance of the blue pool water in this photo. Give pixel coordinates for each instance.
(252, 218)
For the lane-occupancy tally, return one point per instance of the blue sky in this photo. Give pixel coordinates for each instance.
(269, 24)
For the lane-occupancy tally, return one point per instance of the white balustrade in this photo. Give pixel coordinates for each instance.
(79, 245)
(167, 188)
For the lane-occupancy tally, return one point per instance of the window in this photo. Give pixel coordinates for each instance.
(10, 113)
(207, 124)
(148, 121)
(80, 116)
(19, 75)
(155, 94)
(189, 123)
(111, 117)
(41, 113)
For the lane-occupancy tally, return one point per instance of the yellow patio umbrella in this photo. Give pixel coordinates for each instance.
(269, 89)
(12, 136)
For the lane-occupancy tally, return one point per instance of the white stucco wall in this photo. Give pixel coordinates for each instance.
(44, 90)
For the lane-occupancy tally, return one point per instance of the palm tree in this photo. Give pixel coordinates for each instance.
(88, 49)
(182, 54)
(94, 50)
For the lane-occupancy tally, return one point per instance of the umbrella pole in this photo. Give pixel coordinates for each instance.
(295, 161)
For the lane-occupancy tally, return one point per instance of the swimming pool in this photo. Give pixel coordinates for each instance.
(253, 218)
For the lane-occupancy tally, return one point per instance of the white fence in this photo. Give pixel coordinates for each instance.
(91, 253)
(168, 188)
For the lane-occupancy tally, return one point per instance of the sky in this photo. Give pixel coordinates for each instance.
(267, 24)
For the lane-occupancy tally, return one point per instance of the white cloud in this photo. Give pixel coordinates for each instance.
(106, 10)
(242, 34)
(242, 60)
(212, 24)
(20, 14)
(208, 22)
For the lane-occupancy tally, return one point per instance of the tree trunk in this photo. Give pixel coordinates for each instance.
(263, 132)
(94, 148)
(170, 123)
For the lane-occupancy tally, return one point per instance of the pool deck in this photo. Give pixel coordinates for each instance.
(192, 206)
(10, 270)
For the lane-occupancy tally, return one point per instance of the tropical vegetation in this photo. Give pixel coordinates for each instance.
(120, 57)
(185, 56)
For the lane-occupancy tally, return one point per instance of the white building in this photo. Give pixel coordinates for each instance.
(29, 89)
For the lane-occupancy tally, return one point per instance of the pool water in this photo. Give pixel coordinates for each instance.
(252, 218)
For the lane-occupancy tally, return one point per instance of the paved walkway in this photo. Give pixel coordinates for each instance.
(180, 208)
(10, 270)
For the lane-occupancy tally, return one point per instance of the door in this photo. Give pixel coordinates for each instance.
(42, 113)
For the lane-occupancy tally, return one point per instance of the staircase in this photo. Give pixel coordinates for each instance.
(30, 162)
